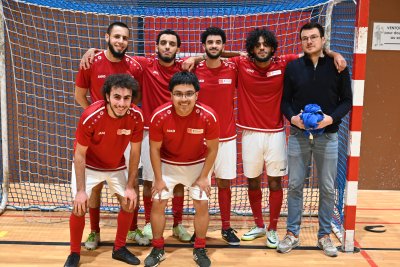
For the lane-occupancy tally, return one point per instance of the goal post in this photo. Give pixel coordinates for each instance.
(44, 41)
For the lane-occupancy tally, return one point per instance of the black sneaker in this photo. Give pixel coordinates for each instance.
(230, 237)
(193, 238)
(123, 254)
(72, 260)
(201, 258)
(154, 258)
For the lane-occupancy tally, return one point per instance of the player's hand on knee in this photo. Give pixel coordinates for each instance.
(130, 199)
(80, 203)
(157, 188)
(204, 186)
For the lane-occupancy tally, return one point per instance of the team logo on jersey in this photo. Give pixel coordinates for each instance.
(225, 81)
(274, 73)
(123, 132)
(250, 70)
(195, 131)
(201, 81)
(101, 76)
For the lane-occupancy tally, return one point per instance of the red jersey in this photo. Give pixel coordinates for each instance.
(217, 90)
(107, 137)
(154, 83)
(94, 77)
(183, 137)
(260, 93)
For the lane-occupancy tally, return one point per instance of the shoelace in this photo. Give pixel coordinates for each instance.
(92, 237)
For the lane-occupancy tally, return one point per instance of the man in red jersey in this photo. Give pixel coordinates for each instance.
(103, 133)
(107, 62)
(155, 74)
(218, 80)
(183, 147)
(260, 87)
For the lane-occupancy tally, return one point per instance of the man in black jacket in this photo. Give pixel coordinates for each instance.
(313, 79)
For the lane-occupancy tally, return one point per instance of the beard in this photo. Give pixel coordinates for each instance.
(263, 59)
(166, 59)
(209, 55)
(116, 54)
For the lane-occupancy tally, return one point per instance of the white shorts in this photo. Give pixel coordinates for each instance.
(186, 175)
(225, 163)
(259, 148)
(116, 181)
(147, 173)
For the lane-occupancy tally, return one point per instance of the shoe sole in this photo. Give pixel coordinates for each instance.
(91, 248)
(231, 243)
(251, 238)
(118, 259)
(182, 240)
(162, 258)
(333, 256)
(284, 252)
(271, 245)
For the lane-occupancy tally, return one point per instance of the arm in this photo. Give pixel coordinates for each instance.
(190, 62)
(80, 97)
(134, 157)
(202, 181)
(87, 58)
(80, 201)
(228, 54)
(340, 62)
(159, 184)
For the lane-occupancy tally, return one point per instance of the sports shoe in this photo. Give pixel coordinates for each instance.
(254, 233)
(181, 233)
(325, 243)
(72, 260)
(193, 238)
(138, 236)
(154, 258)
(92, 242)
(201, 258)
(230, 237)
(123, 254)
(288, 243)
(272, 239)
(147, 232)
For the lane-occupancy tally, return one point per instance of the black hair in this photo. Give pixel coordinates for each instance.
(184, 77)
(254, 36)
(172, 32)
(121, 80)
(312, 25)
(213, 31)
(117, 23)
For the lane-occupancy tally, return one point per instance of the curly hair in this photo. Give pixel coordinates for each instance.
(121, 80)
(213, 31)
(254, 36)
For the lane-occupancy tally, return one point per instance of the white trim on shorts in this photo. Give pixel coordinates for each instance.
(225, 163)
(259, 148)
(116, 181)
(186, 175)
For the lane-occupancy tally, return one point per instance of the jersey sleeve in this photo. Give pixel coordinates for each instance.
(83, 78)
(83, 133)
(212, 131)
(290, 57)
(136, 66)
(137, 134)
(155, 129)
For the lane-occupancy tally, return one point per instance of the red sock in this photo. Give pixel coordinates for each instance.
(135, 219)
(255, 198)
(76, 226)
(123, 223)
(224, 200)
(94, 214)
(275, 204)
(199, 243)
(177, 209)
(147, 208)
(158, 243)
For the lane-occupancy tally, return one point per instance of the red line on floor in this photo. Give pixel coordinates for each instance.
(365, 255)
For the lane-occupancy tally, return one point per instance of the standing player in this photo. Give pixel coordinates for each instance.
(313, 79)
(183, 146)
(155, 75)
(218, 84)
(104, 131)
(111, 61)
(260, 86)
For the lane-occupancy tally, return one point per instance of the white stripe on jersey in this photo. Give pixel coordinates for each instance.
(137, 111)
(94, 113)
(206, 110)
(161, 110)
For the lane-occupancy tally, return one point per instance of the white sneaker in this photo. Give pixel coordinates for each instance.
(147, 232)
(254, 233)
(288, 243)
(181, 233)
(325, 243)
(138, 236)
(92, 242)
(272, 239)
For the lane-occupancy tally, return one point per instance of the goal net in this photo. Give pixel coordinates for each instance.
(44, 41)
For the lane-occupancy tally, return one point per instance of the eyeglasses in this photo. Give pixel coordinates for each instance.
(313, 38)
(181, 95)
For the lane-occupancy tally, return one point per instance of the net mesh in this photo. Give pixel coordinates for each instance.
(46, 39)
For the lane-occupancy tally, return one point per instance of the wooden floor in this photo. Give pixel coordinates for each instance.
(41, 239)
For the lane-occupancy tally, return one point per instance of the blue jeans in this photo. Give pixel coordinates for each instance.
(324, 150)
